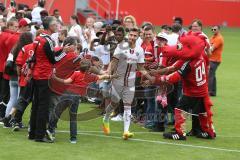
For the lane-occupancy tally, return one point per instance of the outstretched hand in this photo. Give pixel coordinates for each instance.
(153, 72)
(115, 76)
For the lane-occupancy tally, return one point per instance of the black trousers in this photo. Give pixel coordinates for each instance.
(212, 82)
(25, 98)
(4, 95)
(40, 109)
(194, 105)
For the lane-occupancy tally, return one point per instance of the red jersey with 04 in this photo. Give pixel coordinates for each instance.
(194, 78)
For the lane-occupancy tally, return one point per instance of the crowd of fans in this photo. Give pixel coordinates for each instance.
(51, 65)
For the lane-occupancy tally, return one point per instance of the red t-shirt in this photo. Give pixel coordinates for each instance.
(81, 81)
(3, 49)
(148, 52)
(64, 69)
(26, 52)
(45, 57)
(149, 57)
(10, 43)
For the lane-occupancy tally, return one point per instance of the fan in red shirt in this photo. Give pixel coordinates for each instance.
(9, 43)
(191, 45)
(3, 49)
(148, 47)
(26, 52)
(24, 26)
(64, 68)
(21, 52)
(12, 26)
(80, 80)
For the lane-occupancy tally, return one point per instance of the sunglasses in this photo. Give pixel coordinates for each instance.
(214, 29)
(128, 21)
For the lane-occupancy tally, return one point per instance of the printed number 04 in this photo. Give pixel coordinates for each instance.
(200, 71)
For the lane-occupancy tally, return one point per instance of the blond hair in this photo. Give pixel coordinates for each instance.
(132, 18)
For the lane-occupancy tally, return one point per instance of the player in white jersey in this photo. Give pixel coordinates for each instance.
(127, 59)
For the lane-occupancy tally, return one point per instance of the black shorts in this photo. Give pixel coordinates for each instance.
(194, 105)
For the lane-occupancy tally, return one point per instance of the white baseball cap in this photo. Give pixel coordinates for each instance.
(162, 35)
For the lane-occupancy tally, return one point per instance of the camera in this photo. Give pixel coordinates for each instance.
(96, 40)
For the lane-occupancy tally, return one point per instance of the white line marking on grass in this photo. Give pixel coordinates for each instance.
(156, 142)
(153, 133)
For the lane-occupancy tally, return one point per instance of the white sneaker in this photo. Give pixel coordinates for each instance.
(117, 118)
(92, 100)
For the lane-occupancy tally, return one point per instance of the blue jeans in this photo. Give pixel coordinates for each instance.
(70, 101)
(150, 105)
(14, 92)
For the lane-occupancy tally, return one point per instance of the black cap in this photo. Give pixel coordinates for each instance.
(99, 33)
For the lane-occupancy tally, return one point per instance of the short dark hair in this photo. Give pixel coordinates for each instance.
(75, 17)
(47, 21)
(44, 13)
(22, 6)
(134, 29)
(176, 27)
(70, 40)
(166, 27)
(2, 7)
(41, 3)
(95, 58)
(179, 20)
(144, 24)
(148, 28)
(121, 29)
(28, 15)
(85, 65)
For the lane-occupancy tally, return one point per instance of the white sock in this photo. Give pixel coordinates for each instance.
(127, 118)
(109, 111)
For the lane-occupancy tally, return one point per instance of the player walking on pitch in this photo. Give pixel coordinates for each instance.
(127, 59)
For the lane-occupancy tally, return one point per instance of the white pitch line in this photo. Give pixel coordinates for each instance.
(154, 133)
(158, 142)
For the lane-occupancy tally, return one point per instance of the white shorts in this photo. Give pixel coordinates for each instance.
(119, 92)
(105, 86)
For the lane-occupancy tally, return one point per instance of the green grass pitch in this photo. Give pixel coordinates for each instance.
(93, 145)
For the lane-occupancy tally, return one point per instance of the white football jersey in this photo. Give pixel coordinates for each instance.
(127, 63)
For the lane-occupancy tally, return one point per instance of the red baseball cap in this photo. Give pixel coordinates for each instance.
(24, 22)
